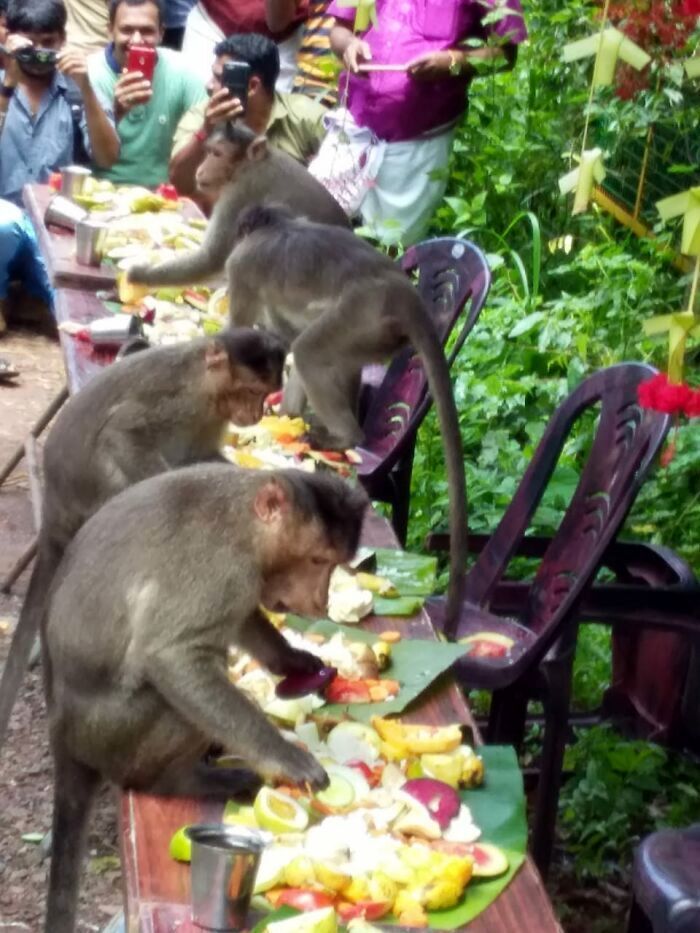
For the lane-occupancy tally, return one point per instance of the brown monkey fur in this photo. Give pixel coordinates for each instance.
(340, 304)
(164, 577)
(156, 410)
(241, 170)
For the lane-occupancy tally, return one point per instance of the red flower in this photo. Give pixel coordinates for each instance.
(658, 394)
(690, 7)
(692, 405)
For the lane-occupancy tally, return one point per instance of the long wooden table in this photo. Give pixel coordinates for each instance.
(157, 889)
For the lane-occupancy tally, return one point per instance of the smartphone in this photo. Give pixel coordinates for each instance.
(141, 58)
(235, 76)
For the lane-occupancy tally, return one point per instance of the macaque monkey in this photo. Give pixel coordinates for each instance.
(241, 170)
(164, 578)
(341, 304)
(156, 410)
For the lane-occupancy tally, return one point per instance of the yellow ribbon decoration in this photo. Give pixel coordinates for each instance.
(581, 179)
(688, 204)
(366, 13)
(679, 326)
(608, 46)
(692, 66)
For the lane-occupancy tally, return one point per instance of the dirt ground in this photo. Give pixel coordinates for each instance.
(25, 763)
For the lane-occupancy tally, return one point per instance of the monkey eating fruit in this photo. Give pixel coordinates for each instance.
(156, 410)
(163, 578)
(241, 170)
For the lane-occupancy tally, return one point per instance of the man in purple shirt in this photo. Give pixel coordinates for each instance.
(409, 114)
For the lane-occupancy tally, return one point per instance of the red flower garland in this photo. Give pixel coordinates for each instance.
(672, 398)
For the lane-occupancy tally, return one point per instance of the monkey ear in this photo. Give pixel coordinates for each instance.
(215, 356)
(270, 501)
(257, 150)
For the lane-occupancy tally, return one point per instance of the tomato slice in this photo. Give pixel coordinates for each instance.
(367, 910)
(342, 690)
(303, 899)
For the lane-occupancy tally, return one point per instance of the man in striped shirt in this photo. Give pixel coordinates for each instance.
(317, 74)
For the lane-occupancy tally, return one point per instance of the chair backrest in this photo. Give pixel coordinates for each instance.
(450, 273)
(626, 442)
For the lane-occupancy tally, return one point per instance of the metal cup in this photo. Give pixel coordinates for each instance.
(224, 864)
(114, 331)
(64, 213)
(89, 237)
(73, 178)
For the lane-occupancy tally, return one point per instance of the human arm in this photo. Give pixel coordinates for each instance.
(10, 79)
(279, 14)
(102, 135)
(460, 63)
(189, 145)
(349, 47)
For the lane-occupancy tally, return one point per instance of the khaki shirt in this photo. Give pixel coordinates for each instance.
(295, 126)
(88, 24)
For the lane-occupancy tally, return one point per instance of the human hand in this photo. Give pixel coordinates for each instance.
(430, 66)
(73, 63)
(131, 90)
(221, 109)
(356, 52)
(12, 72)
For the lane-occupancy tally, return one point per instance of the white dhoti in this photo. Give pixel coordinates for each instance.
(202, 34)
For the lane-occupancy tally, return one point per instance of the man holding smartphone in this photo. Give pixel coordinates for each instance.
(48, 112)
(152, 88)
(291, 122)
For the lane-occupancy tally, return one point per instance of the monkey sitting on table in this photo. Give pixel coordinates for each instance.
(164, 577)
(341, 304)
(241, 170)
(153, 411)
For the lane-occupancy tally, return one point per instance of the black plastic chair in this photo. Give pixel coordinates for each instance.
(538, 660)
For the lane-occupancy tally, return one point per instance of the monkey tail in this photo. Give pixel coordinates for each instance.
(75, 787)
(424, 338)
(28, 626)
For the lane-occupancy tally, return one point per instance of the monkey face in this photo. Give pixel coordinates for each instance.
(226, 157)
(242, 401)
(239, 391)
(300, 584)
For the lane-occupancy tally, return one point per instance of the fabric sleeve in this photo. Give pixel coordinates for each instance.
(189, 124)
(344, 14)
(510, 27)
(193, 90)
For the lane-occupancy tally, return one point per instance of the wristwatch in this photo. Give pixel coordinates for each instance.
(6, 91)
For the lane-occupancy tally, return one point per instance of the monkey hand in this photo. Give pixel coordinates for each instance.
(138, 273)
(296, 661)
(294, 765)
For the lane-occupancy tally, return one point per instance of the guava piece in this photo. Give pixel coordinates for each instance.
(489, 860)
(350, 741)
(340, 792)
(181, 846)
(298, 685)
(487, 645)
(441, 801)
(323, 920)
(278, 812)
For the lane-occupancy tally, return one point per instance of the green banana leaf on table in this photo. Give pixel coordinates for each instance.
(415, 664)
(413, 576)
(499, 809)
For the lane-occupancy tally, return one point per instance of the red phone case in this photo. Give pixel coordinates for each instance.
(141, 58)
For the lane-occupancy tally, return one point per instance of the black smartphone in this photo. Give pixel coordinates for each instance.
(235, 76)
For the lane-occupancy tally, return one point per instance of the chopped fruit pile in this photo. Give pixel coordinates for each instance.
(278, 441)
(351, 675)
(375, 841)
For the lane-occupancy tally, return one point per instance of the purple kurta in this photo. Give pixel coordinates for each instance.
(394, 105)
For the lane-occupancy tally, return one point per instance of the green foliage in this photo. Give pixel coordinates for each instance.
(569, 296)
(621, 791)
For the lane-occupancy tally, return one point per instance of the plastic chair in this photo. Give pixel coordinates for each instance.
(653, 607)
(666, 883)
(450, 273)
(539, 658)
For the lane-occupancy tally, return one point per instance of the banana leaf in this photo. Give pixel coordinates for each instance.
(498, 808)
(415, 664)
(411, 574)
(397, 605)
